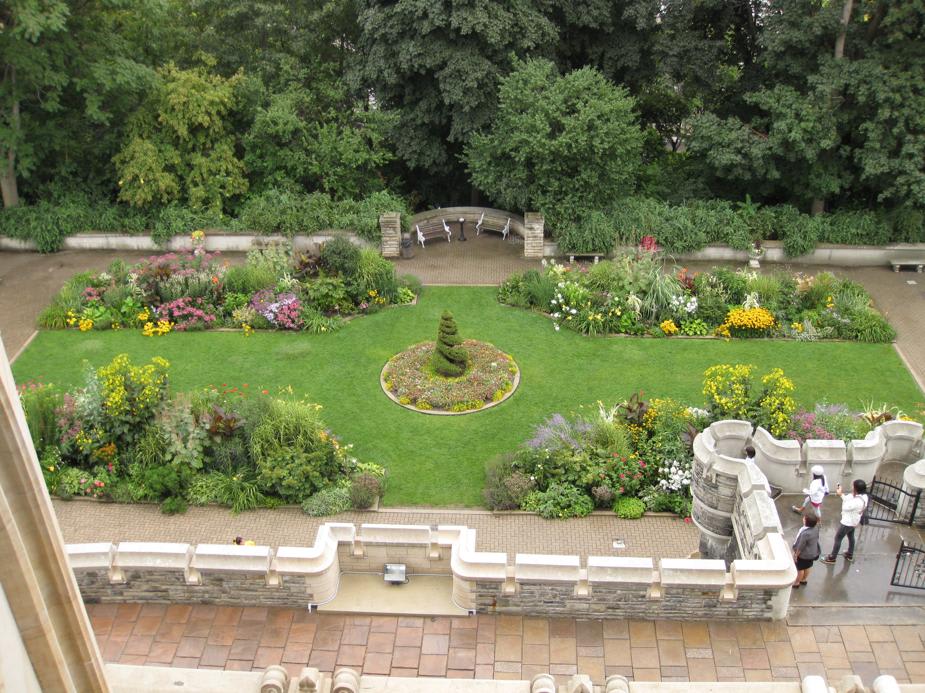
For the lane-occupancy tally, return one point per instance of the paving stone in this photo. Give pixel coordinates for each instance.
(378, 663)
(268, 656)
(213, 655)
(432, 665)
(435, 644)
(406, 657)
(351, 655)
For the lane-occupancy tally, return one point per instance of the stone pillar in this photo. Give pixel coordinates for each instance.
(714, 501)
(533, 235)
(390, 225)
(36, 578)
(914, 482)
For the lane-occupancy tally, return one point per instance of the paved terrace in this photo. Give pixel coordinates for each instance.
(502, 647)
(657, 536)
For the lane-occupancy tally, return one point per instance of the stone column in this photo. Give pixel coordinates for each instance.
(34, 572)
(390, 225)
(914, 482)
(533, 235)
(714, 501)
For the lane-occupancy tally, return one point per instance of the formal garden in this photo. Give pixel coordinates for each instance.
(313, 389)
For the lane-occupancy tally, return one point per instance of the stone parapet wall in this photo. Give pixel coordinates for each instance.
(603, 586)
(390, 226)
(786, 463)
(124, 678)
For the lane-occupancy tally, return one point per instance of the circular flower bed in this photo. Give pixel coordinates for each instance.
(409, 379)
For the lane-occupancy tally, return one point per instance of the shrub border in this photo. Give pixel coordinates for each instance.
(437, 412)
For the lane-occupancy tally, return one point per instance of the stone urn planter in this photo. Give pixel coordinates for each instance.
(755, 253)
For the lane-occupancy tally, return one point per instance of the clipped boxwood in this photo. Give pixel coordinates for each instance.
(629, 508)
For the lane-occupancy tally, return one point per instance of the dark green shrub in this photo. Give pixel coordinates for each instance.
(364, 490)
(505, 487)
(293, 454)
(174, 505)
(629, 508)
(340, 256)
(327, 294)
(594, 233)
(329, 501)
(869, 326)
(559, 501)
(177, 220)
(39, 403)
(539, 289)
(450, 358)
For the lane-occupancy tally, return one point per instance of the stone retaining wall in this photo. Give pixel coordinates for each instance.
(604, 586)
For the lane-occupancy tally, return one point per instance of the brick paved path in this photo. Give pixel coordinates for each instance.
(659, 537)
(503, 647)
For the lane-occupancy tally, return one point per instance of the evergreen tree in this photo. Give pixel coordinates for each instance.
(450, 358)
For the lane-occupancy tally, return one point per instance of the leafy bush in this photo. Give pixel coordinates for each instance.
(329, 501)
(629, 508)
(40, 402)
(340, 256)
(293, 453)
(558, 501)
(364, 489)
(174, 506)
(505, 487)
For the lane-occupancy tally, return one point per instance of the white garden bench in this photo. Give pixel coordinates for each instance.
(434, 228)
(493, 224)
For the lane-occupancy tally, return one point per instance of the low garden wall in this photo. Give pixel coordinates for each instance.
(603, 587)
(214, 241)
(823, 254)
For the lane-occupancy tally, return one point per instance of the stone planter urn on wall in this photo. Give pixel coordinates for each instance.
(755, 253)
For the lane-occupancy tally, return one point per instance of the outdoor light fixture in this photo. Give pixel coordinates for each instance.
(619, 544)
(395, 573)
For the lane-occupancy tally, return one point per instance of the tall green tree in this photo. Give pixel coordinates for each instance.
(180, 146)
(564, 145)
(437, 64)
(70, 73)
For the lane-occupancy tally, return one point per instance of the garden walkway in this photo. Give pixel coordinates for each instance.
(505, 647)
(660, 536)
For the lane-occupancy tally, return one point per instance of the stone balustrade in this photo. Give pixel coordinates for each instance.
(786, 463)
(123, 678)
(604, 586)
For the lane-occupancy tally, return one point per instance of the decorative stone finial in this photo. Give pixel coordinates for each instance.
(275, 679)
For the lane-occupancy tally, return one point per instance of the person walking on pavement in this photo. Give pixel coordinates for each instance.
(806, 548)
(852, 508)
(816, 493)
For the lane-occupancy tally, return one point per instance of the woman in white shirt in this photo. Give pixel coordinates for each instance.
(817, 491)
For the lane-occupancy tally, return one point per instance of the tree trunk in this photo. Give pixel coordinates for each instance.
(8, 186)
(818, 206)
(843, 29)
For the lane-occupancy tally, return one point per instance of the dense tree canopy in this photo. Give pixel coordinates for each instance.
(557, 105)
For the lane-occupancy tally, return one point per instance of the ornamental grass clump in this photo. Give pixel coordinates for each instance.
(450, 358)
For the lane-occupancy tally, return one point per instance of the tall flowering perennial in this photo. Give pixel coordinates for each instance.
(128, 389)
(776, 405)
(187, 313)
(727, 389)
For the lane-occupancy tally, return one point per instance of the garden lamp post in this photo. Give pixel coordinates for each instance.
(462, 232)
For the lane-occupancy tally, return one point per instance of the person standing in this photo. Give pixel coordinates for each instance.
(806, 548)
(853, 506)
(816, 493)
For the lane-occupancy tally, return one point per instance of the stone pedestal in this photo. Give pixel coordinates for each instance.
(533, 235)
(390, 225)
(914, 483)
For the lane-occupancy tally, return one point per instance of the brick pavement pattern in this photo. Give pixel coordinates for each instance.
(481, 260)
(657, 536)
(501, 647)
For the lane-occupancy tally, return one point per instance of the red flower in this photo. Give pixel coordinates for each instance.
(264, 392)
(688, 519)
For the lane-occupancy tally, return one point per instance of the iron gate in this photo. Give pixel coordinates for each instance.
(909, 570)
(889, 502)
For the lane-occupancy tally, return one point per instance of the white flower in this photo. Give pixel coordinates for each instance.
(557, 328)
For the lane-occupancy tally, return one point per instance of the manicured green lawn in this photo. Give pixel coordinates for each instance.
(438, 460)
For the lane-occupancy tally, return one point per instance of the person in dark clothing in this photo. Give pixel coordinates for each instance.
(806, 548)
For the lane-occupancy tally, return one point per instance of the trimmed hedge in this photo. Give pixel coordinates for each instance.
(687, 228)
(270, 212)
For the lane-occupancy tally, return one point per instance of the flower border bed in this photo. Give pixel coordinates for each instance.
(515, 383)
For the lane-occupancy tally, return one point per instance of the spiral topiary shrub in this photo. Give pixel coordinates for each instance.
(450, 358)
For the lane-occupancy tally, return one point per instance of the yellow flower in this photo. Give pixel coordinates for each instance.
(669, 328)
(247, 329)
(85, 324)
